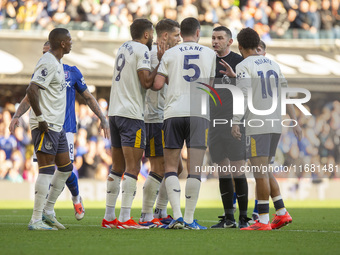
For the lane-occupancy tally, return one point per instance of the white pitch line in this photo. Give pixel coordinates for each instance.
(99, 226)
(95, 217)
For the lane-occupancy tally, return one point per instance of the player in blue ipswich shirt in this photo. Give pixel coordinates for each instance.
(74, 82)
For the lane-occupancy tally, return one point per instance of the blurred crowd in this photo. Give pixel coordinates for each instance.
(319, 147)
(270, 18)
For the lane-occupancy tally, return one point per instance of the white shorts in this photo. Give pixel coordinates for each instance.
(70, 143)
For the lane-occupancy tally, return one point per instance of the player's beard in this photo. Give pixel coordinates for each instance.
(149, 43)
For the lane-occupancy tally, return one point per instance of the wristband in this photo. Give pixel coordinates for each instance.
(40, 118)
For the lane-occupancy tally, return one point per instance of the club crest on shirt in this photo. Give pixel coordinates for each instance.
(44, 72)
(67, 75)
(48, 145)
(226, 79)
(146, 55)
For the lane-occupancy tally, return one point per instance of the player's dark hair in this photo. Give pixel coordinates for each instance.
(138, 28)
(225, 29)
(166, 25)
(248, 38)
(189, 26)
(56, 36)
(262, 45)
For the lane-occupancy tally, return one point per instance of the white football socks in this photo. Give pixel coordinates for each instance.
(192, 190)
(162, 202)
(57, 186)
(128, 194)
(112, 192)
(174, 194)
(41, 190)
(150, 191)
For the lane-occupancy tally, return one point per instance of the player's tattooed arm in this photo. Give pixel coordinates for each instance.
(23, 107)
(33, 97)
(94, 106)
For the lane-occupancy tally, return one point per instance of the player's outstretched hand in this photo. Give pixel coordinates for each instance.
(235, 132)
(13, 125)
(161, 48)
(104, 125)
(43, 126)
(297, 132)
(228, 70)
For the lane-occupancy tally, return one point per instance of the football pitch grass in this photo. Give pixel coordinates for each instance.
(315, 230)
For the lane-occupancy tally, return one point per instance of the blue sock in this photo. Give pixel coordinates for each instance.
(234, 198)
(72, 184)
(255, 207)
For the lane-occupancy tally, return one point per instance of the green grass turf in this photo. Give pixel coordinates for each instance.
(315, 230)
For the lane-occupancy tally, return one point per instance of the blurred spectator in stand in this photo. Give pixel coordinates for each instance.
(293, 31)
(52, 7)
(84, 119)
(326, 146)
(278, 20)
(261, 24)
(81, 142)
(10, 9)
(105, 10)
(141, 13)
(2, 13)
(114, 21)
(60, 17)
(313, 10)
(5, 165)
(103, 105)
(120, 4)
(102, 172)
(186, 10)
(247, 15)
(170, 13)
(336, 15)
(95, 18)
(104, 151)
(27, 15)
(74, 10)
(157, 11)
(234, 20)
(90, 160)
(22, 140)
(327, 20)
(15, 172)
(43, 20)
(133, 6)
(291, 4)
(305, 22)
(125, 19)
(7, 141)
(208, 20)
(220, 10)
(31, 170)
